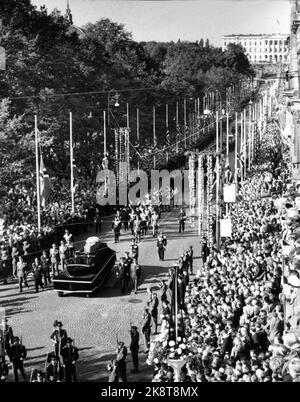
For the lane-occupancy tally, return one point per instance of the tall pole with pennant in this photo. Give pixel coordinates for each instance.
(72, 164)
(38, 193)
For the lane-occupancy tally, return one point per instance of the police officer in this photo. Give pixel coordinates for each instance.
(70, 356)
(121, 360)
(17, 354)
(146, 328)
(58, 337)
(134, 348)
(161, 246)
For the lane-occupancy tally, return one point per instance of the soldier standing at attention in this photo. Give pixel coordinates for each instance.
(58, 337)
(121, 360)
(154, 311)
(70, 356)
(134, 348)
(37, 275)
(161, 246)
(146, 328)
(17, 354)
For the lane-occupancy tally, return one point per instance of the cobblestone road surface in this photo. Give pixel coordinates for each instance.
(96, 322)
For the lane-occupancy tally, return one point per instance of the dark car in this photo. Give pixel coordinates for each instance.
(87, 271)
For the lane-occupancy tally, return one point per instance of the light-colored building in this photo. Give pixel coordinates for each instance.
(269, 48)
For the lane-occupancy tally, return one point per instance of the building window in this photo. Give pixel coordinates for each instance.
(271, 42)
(275, 42)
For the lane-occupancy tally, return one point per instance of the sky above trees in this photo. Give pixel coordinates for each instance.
(184, 19)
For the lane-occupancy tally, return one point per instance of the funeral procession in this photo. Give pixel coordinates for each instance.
(149, 194)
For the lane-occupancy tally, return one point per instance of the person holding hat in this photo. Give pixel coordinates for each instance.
(70, 356)
(134, 348)
(17, 354)
(58, 337)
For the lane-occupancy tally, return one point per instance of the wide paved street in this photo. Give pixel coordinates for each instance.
(95, 323)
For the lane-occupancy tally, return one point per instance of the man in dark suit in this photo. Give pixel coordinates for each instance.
(70, 356)
(17, 354)
(134, 348)
(204, 250)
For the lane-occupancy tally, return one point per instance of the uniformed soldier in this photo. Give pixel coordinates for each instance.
(153, 307)
(59, 337)
(21, 273)
(6, 335)
(70, 356)
(54, 370)
(190, 259)
(121, 360)
(17, 354)
(45, 264)
(146, 328)
(134, 348)
(161, 246)
(127, 268)
(37, 274)
(116, 228)
(204, 251)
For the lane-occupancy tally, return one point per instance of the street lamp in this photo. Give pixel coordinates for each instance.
(108, 103)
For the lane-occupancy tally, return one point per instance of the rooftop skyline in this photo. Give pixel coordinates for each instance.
(185, 19)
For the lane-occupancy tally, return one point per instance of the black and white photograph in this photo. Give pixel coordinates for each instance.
(149, 195)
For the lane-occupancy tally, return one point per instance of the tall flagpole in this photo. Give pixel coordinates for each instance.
(236, 147)
(104, 131)
(37, 174)
(217, 180)
(138, 133)
(154, 138)
(227, 138)
(71, 165)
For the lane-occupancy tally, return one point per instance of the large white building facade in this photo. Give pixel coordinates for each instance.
(269, 48)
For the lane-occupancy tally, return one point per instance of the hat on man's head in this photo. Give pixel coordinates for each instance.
(69, 340)
(57, 324)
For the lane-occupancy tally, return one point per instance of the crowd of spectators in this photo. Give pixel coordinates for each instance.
(231, 324)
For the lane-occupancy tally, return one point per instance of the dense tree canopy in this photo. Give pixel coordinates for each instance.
(46, 58)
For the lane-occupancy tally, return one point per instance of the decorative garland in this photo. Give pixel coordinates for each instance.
(210, 177)
(200, 194)
(192, 188)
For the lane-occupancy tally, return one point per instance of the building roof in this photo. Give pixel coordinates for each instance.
(253, 35)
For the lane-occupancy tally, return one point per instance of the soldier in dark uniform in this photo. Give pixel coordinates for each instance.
(146, 328)
(181, 220)
(153, 307)
(161, 246)
(204, 250)
(127, 267)
(59, 337)
(45, 264)
(37, 274)
(54, 370)
(190, 259)
(70, 356)
(17, 354)
(6, 335)
(121, 360)
(134, 348)
(98, 221)
(116, 228)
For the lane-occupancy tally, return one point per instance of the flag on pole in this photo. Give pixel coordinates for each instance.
(46, 186)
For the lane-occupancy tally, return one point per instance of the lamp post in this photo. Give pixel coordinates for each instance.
(108, 103)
